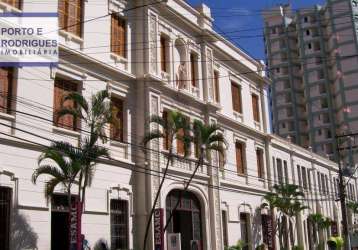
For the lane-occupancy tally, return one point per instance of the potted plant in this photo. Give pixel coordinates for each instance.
(335, 243)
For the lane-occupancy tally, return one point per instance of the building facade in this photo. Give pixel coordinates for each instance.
(312, 57)
(152, 57)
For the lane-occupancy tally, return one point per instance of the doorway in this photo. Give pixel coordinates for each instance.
(60, 222)
(186, 219)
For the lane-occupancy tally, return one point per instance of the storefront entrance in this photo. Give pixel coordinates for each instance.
(186, 219)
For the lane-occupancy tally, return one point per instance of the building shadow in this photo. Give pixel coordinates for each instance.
(22, 235)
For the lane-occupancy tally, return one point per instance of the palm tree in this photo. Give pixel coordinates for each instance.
(320, 223)
(63, 167)
(353, 206)
(96, 115)
(207, 138)
(174, 126)
(286, 198)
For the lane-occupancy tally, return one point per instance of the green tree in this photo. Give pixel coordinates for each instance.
(353, 206)
(240, 244)
(287, 200)
(96, 115)
(319, 224)
(61, 165)
(207, 139)
(174, 126)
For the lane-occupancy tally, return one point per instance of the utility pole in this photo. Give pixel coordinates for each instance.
(342, 198)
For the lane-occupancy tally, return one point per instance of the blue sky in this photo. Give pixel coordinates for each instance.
(233, 15)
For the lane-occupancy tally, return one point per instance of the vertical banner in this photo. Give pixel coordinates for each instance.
(158, 229)
(268, 231)
(334, 228)
(75, 226)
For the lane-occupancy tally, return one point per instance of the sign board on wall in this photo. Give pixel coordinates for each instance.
(28, 39)
(75, 226)
(268, 231)
(158, 229)
(174, 242)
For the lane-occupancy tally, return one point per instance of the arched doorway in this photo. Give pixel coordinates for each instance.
(186, 218)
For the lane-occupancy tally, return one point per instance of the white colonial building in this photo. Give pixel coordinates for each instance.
(153, 56)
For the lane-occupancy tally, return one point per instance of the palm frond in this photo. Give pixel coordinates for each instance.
(50, 187)
(154, 134)
(68, 111)
(157, 120)
(47, 170)
(51, 154)
(78, 99)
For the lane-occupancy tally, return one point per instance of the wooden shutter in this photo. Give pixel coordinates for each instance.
(180, 143)
(117, 130)
(72, 20)
(259, 158)
(63, 88)
(255, 107)
(118, 35)
(192, 69)
(79, 18)
(114, 34)
(236, 97)
(122, 37)
(5, 89)
(239, 158)
(221, 159)
(62, 13)
(15, 3)
(216, 84)
(166, 141)
(163, 55)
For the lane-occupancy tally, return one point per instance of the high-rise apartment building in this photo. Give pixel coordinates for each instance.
(312, 56)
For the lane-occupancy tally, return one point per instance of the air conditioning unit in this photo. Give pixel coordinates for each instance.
(174, 242)
(195, 245)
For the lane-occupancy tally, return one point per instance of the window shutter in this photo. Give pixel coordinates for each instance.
(79, 18)
(216, 83)
(5, 89)
(114, 34)
(180, 143)
(236, 97)
(192, 68)
(122, 37)
(163, 55)
(70, 19)
(62, 14)
(166, 142)
(259, 157)
(71, 16)
(255, 107)
(118, 35)
(62, 88)
(14, 3)
(239, 158)
(117, 130)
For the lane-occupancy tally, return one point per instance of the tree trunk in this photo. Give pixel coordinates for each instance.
(170, 156)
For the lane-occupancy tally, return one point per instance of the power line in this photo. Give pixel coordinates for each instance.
(180, 158)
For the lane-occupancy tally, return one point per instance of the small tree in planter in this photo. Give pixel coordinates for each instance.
(335, 243)
(240, 244)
